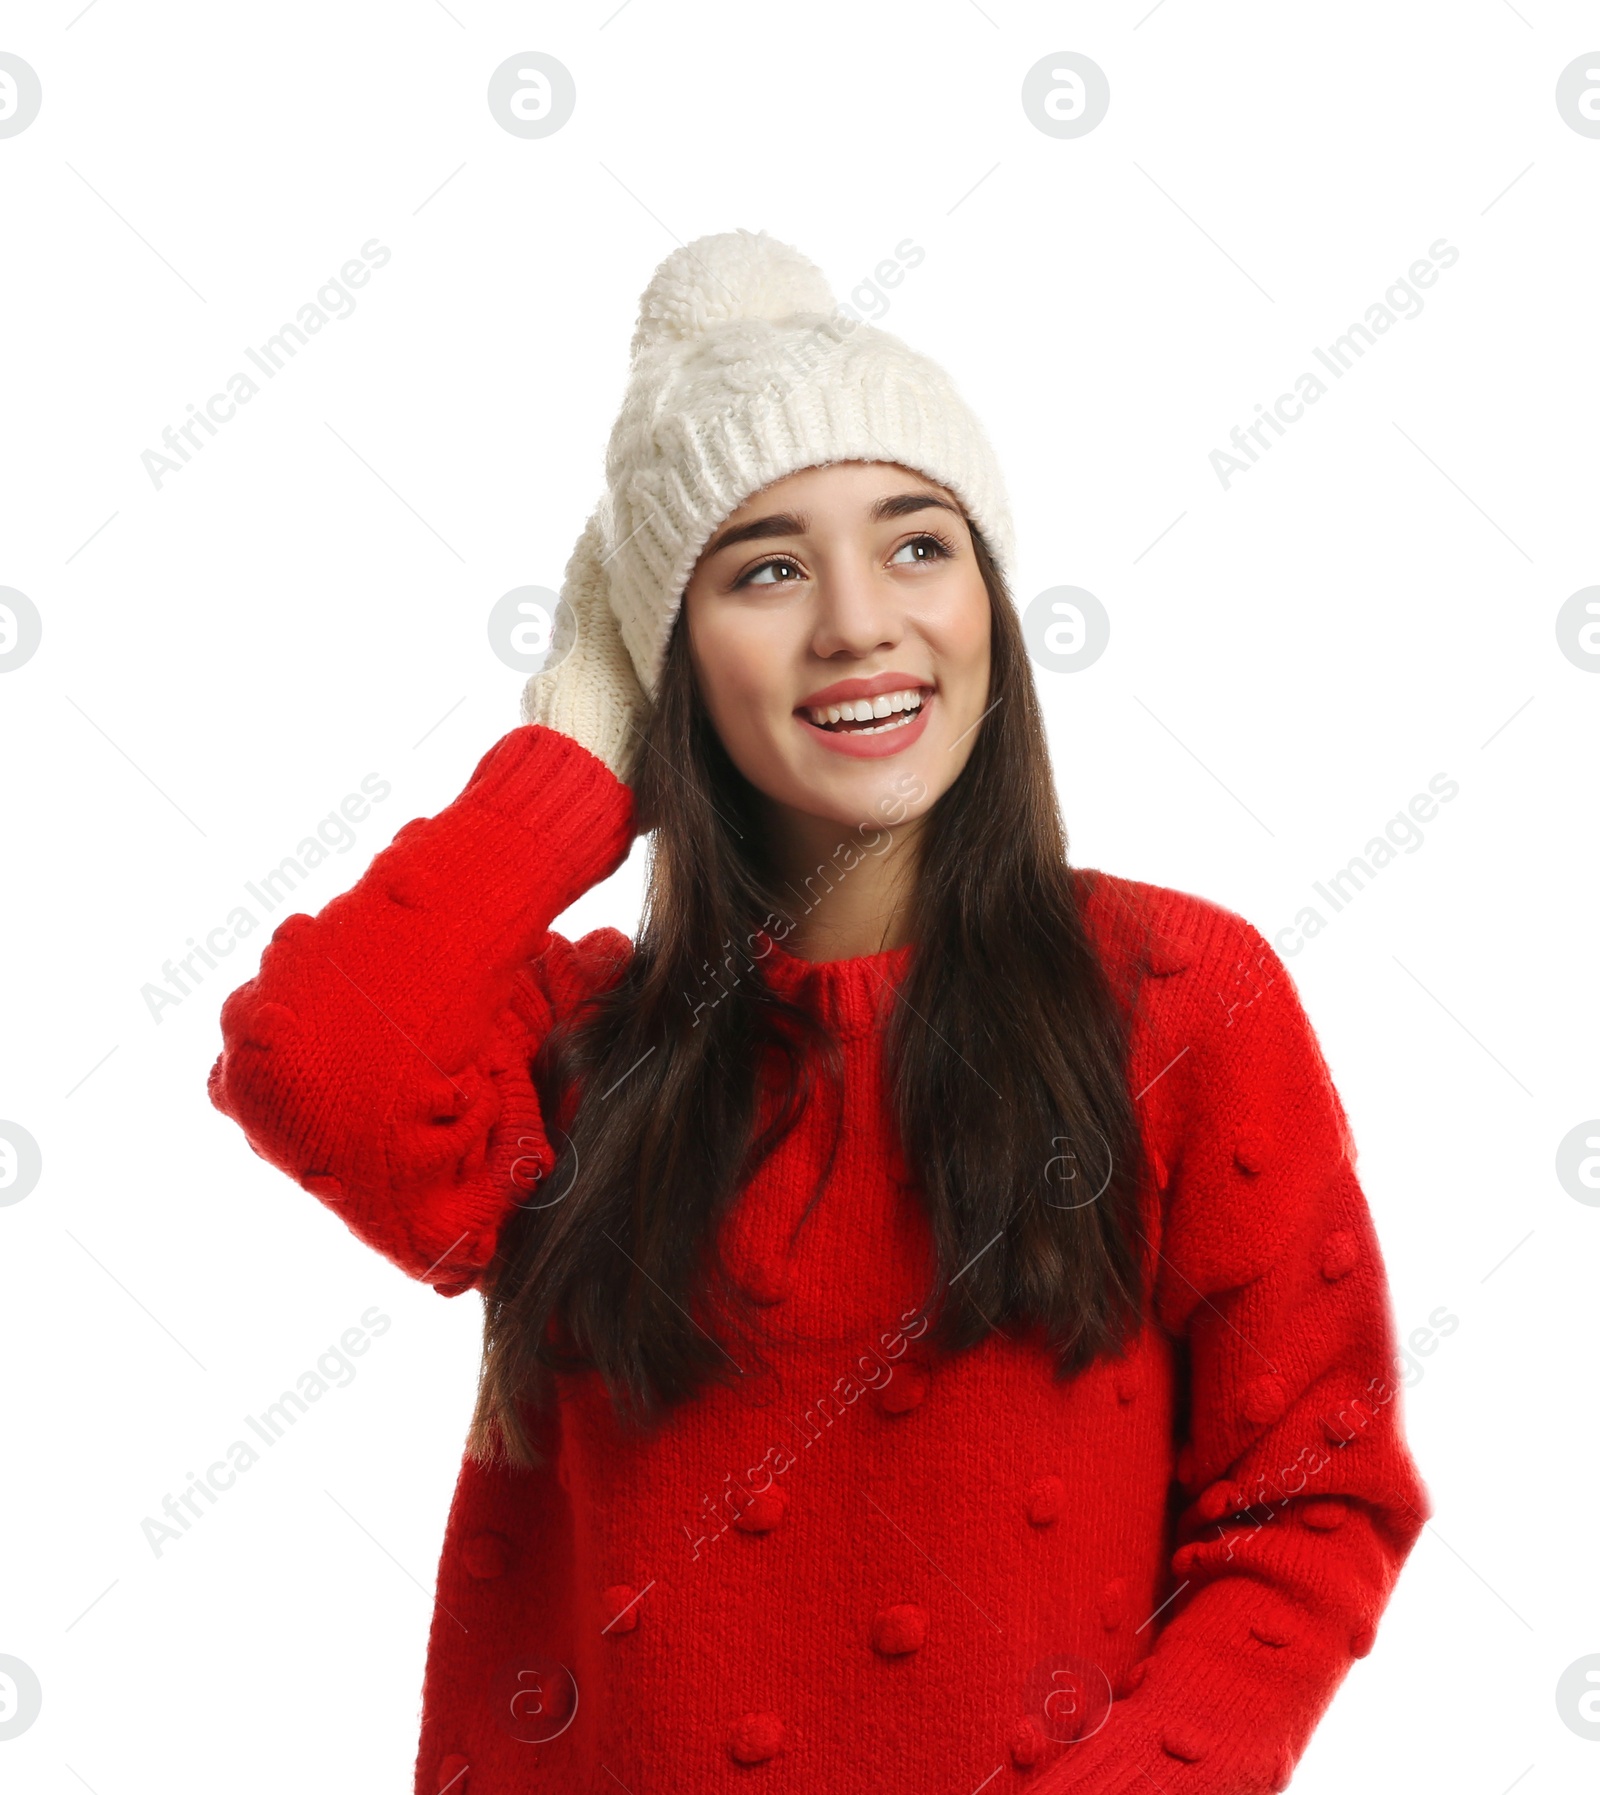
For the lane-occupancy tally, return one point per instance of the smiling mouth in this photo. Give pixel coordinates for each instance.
(869, 716)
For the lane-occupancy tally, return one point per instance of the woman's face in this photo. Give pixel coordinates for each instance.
(853, 583)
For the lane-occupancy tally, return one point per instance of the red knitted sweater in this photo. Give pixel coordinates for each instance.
(890, 1570)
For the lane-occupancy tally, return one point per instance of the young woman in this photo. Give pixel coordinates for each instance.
(935, 1336)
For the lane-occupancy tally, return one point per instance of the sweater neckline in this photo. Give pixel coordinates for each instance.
(851, 995)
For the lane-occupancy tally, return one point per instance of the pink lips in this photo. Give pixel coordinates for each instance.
(871, 747)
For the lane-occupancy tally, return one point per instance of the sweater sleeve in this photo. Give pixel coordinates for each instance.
(1297, 1499)
(380, 1054)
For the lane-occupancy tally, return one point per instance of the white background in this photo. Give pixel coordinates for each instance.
(226, 657)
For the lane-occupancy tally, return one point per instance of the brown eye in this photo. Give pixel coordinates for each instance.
(937, 550)
(753, 577)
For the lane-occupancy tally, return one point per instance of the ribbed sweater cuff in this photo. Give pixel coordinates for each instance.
(575, 815)
(1218, 1712)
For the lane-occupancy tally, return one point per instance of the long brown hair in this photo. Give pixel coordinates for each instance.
(601, 1269)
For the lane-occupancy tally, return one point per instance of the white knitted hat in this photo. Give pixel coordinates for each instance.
(744, 369)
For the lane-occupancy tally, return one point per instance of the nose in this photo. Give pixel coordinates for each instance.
(857, 609)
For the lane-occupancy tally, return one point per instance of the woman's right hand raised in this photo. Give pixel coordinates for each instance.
(381, 1054)
(593, 694)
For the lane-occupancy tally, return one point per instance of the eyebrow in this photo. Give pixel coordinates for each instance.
(798, 523)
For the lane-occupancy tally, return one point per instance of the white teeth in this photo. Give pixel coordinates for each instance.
(860, 710)
(898, 723)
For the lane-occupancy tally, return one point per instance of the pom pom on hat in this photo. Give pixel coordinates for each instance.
(734, 274)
